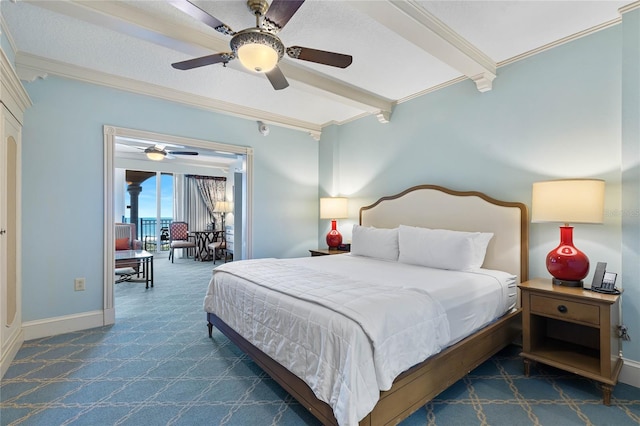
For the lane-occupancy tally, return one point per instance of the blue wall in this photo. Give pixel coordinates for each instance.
(557, 114)
(63, 185)
(630, 212)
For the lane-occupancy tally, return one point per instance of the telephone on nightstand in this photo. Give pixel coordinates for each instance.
(603, 281)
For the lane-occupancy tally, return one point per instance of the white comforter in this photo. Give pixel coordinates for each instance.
(346, 338)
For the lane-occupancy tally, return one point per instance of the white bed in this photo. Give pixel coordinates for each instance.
(348, 333)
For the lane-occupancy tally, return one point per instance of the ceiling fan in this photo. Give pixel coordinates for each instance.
(258, 48)
(158, 152)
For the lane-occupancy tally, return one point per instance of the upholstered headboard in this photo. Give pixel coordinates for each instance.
(432, 206)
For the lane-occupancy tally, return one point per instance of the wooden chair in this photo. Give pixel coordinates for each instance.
(179, 238)
(218, 246)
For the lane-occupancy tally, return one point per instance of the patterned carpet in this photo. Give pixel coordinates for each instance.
(156, 366)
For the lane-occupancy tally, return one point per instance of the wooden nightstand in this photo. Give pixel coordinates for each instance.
(573, 329)
(325, 252)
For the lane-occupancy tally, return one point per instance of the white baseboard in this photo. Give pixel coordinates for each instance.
(65, 324)
(630, 373)
(10, 351)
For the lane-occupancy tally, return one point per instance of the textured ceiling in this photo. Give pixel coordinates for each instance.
(400, 50)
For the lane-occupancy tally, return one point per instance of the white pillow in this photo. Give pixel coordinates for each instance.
(442, 248)
(380, 243)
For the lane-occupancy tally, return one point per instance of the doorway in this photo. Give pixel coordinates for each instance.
(114, 136)
(145, 198)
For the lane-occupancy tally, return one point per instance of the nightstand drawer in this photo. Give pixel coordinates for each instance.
(564, 309)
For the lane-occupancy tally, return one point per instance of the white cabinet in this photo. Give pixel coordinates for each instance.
(14, 102)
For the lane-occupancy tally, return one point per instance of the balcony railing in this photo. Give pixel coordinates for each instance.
(147, 230)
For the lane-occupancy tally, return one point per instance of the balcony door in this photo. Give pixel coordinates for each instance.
(146, 199)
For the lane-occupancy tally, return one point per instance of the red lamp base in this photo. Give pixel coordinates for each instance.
(566, 263)
(334, 238)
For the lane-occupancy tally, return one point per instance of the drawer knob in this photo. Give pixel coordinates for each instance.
(562, 309)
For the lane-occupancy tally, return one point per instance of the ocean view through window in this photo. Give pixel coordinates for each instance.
(155, 211)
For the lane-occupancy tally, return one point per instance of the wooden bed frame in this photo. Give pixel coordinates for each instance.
(508, 251)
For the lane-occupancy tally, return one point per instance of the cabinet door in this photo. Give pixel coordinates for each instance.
(10, 310)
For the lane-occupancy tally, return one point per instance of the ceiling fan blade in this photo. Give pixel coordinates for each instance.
(280, 12)
(202, 61)
(183, 153)
(277, 79)
(202, 16)
(320, 56)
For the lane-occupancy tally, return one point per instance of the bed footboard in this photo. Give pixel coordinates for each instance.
(420, 384)
(412, 389)
(289, 381)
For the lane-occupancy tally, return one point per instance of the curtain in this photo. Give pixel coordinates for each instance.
(179, 198)
(199, 199)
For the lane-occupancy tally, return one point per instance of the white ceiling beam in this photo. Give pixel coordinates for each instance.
(127, 19)
(412, 22)
(29, 67)
(338, 91)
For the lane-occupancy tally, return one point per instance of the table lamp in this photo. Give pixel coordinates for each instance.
(568, 201)
(333, 208)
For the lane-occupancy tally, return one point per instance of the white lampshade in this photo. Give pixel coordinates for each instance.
(568, 201)
(333, 208)
(257, 49)
(155, 155)
(224, 207)
(258, 57)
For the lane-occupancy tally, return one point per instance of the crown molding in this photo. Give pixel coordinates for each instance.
(12, 93)
(412, 22)
(29, 66)
(533, 52)
(628, 8)
(348, 120)
(4, 29)
(562, 41)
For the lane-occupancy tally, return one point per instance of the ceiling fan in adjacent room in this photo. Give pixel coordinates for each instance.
(258, 48)
(158, 152)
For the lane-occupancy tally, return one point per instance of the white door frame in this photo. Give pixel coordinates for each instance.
(110, 134)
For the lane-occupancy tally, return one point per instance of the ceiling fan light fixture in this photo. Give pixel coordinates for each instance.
(257, 50)
(257, 57)
(155, 154)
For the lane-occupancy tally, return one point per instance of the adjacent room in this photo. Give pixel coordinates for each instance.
(386, 212)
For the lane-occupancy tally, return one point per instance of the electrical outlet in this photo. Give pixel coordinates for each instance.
(78, 284)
